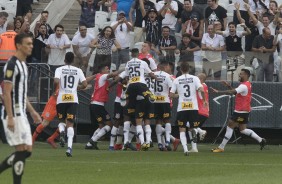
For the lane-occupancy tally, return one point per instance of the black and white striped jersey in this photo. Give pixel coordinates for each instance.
(15, 71)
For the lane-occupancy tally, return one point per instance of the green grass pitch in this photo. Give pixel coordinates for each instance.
(239, 164)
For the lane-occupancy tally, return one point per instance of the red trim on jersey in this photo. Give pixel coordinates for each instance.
(100, 94)
(204, 111)
(141, 56)
(119, 90)
(243, 103)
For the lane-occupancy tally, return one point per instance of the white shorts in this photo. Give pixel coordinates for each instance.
(21, 134)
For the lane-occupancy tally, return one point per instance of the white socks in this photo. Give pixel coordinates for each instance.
(183, 140)
(96, 132)
(194, 145)
(159, 132)
(113, 136)
(119, 135)
(101, 133)
(167, 132)
(61, 127)
(199, 130)
(132, 133)
(148, 132)
(140, 133)
(251, 133)
(228, 135)
(70, 134)
(126, 127)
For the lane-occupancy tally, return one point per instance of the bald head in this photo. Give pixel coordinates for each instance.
(202, 77)
(10, 26)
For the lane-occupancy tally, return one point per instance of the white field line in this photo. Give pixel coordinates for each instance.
(152, 163)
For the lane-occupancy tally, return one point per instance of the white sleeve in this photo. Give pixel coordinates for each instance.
(158, 6)
(66, 39)
(242, 89)
(75, 40)
(153, 65)
(146, 67)
(1, 93)
(204, 39)
(225, 33)
(259, 24)
(221, 41)
(123, 75)
(81, 76)
(240, 33)
(169, 81)
(278, 39)
(175, 7)
(143, 23)
(103, 79)
(58, 73)
(173, 87)
(49, 40)
(198, 83)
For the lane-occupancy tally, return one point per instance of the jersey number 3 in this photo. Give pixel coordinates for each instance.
(187, 88)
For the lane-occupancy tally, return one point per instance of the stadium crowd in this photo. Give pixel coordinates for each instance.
(145, 78)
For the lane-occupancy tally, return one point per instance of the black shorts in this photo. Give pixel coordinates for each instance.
(23, 8)
(98, 114)
(200, 120)
(186, 116)
(241, 118)
(135, 89)
(162, 111)
(67, 111)
(118, 111)
(146, 107)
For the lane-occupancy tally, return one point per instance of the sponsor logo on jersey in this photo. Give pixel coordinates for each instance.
(187, 105)
(9, 73)
(68, 98)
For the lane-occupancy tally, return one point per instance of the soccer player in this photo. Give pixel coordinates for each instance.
(97, 107)
(240, 116)
(48, 114)
(67, 80)
(135, 69)
(203, 115)
(15, 122)
(187, 86)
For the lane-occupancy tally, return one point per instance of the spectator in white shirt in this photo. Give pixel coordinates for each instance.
(213, 44)
(81, 48)
(121, 29)
(3, 19)
(57, 44)
(171, 8)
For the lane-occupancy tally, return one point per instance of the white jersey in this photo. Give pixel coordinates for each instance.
(150, 83)
(136, 70)
(69, 77)
(162, 87)
(186, 85)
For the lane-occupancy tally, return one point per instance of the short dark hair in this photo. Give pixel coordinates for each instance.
(135, 52)
(187, 35)
(165, 27)
(4, 14)
(184, 67)
(188, 0)
(231, 23)
(58, 26)
(246, 71)
(44, 11)
(149, 43)
(69, 57)
(20, 37)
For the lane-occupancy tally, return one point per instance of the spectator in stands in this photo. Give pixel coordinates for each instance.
(167, 45)
(24, 9)
(201, 5)
(3, 19)
(88, 11)
(215, 12)
(254, 30)
(121, 29)
(140, 7)
(239, 6)
(259, 6)
(264, 62)
(43, 20)
(186, 49)
(18, 24)
(7, 43)
(233, 39)
(265, 21)
(152, 25)
(124, 5)
(273, 8)
(57, 44)
(178, 16)
(171, 8)
(278, 42)
(39, 44)
(188, 12)
(81, 48)
(103, 43)
(213, 45)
